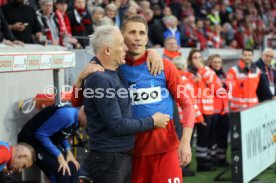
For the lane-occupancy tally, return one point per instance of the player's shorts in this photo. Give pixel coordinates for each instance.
(159, 168)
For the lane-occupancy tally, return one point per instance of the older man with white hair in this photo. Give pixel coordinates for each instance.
(48, 21)
(266, 87)
(107, 105)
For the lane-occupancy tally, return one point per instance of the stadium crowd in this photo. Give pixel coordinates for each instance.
(208, 24)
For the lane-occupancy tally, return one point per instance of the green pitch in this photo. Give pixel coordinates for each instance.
(268, 176)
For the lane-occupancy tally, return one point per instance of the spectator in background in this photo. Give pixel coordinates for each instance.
(215, 38)
(227, 33)
(49, 22)
(167, 11)
(224, 13)
(220, 120)
(65, 30)
(214, 15)
(187, 29)
(6, 36)
(156, 32)
(97, 17)
(170, 48)
(266, 87)
(200, 35)
(171, 23)
(131, 11)
(204, 79)
(122, 6)
(148, 15)
(157, 12)
(176, 9)
(240, 36)
(245, 78)
(200, 9)
(111, 11)
(81, 22)
(144, 5)
(22, 21)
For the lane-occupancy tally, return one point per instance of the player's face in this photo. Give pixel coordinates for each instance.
(20, 162)
(136, 37)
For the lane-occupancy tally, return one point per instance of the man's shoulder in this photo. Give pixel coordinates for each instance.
(101, 78)
(99, 75)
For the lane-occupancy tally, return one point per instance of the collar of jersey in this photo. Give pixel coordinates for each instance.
(138, 61)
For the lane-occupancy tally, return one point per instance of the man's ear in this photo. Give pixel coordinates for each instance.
(107, 50)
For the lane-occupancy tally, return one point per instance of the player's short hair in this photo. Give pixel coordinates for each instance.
(134, 18)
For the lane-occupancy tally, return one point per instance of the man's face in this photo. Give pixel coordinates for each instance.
(171, 45)
(267, 57)
(247, 56)
(118, 49)
(79, 4)
(47, 8)
(136, 37)
(20, 161)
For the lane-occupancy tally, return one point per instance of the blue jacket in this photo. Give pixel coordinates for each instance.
(50, 127)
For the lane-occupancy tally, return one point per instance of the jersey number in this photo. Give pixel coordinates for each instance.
(175, 180)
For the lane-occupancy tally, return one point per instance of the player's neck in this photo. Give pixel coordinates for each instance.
(134, 57)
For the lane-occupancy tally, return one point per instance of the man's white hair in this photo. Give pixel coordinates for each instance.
(103, 36)
(268, 50)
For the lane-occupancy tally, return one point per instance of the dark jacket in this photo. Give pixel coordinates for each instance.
(5, 32)
(111, 126)
(263, 90)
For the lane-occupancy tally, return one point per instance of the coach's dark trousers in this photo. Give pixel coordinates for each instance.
(109, 167)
